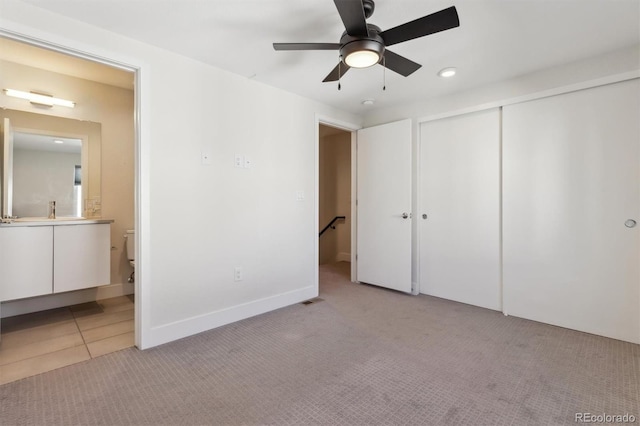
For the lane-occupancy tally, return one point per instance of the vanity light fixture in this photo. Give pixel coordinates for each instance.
(447, 72)
(39, 98)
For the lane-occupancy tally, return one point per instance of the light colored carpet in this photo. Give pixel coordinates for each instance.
(361, 356)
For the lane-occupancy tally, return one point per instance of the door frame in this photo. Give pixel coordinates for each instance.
(352, 129)
(45, 40)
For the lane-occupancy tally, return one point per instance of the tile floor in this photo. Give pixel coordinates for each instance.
(43, 341)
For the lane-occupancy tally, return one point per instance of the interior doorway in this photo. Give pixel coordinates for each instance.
(61, 328)
(335, 195)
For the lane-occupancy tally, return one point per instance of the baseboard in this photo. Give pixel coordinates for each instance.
(52, 301)
(114, 290)
(197, 324)
(343, 257)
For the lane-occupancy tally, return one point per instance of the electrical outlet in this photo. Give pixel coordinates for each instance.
(237, 273)
(239, 161)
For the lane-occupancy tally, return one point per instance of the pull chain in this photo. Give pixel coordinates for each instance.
(339, 73)
(384, 73)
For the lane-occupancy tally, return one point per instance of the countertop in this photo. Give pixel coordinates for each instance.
(43, 221)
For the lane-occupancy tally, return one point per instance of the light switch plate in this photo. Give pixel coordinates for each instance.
(247, 162)
(299, 195)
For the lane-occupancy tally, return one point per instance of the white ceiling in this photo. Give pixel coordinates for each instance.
(496, 40)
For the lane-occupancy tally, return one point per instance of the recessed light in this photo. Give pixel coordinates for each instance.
(57, 141)
(368, 102)
(447, 72)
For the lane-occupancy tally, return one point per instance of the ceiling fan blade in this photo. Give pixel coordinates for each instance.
(430, 24)
(306, 46)
(352, 15)
(337, 72)
(399, 64)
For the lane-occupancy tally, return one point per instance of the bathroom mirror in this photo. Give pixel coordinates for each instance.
(51, 159)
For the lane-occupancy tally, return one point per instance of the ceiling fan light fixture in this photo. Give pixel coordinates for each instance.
(362, 53)
(362, 59)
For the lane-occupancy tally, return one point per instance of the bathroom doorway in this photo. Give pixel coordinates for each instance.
(105, 314)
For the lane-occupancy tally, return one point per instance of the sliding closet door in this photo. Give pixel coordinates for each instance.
(571, 193)
(459, 200)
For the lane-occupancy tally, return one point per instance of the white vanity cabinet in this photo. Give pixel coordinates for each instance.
(26, 262)
(39, 258)
(81, 257)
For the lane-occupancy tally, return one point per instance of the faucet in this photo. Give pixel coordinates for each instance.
(52, 210)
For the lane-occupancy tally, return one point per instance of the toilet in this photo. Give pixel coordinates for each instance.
(131, 251)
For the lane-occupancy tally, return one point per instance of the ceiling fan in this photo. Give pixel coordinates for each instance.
(363, 45)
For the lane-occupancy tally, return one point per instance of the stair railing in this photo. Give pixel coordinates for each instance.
(330, 225)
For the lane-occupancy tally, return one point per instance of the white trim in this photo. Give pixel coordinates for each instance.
(73, 47)
(352, 128)
(142, 155)
(615, 78)
(334, 122)
(199, 323)
(354, 206)
(417, 214)
(500, 207)
(37, 37)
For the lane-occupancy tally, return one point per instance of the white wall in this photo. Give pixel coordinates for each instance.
(620, 62)
(197, 222)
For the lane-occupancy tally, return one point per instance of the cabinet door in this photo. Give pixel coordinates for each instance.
(81, 257)
(26, 256)
(571, 182)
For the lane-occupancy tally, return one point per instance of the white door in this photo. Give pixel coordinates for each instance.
(384, 205)
(570, 200)
(459, 209)
(7, 168)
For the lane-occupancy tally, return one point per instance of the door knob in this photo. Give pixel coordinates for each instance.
(424, 215)
(405, 215)
(630, 223)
